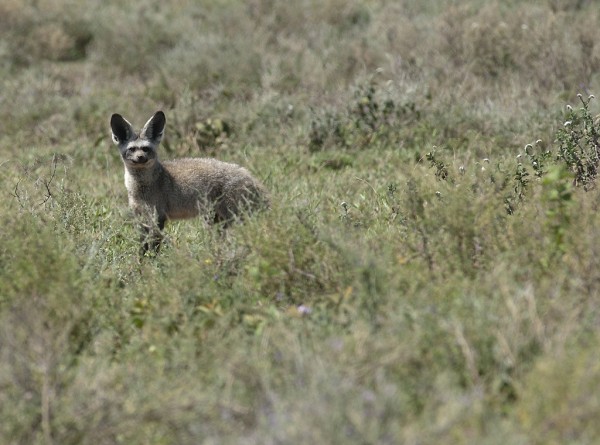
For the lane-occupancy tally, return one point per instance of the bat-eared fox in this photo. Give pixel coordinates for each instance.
(220, 192)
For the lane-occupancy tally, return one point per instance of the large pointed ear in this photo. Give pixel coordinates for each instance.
(122, 131)
(154, 128)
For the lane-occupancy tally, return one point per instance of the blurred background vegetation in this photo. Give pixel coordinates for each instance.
(427, 274)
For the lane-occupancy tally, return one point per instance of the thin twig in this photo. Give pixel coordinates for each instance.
(48, 182)
(15, 192)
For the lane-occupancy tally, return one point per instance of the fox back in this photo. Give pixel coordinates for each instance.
(182, 188)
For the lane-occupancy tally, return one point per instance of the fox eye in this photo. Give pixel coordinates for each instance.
(145, 149)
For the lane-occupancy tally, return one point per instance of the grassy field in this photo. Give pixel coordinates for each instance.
(428, 272)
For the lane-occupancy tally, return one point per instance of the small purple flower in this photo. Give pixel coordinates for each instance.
(304, 310)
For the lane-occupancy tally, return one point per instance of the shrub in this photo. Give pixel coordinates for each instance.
(578, 144)
(373, 117)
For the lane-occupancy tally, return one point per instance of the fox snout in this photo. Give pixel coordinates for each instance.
(139, 158)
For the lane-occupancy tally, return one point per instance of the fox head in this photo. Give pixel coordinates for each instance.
(138, 151)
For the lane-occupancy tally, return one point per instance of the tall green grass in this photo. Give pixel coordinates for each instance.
(426, 274)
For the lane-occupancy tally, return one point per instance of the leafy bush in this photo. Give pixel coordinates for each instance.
(371, 118)
(578, 144)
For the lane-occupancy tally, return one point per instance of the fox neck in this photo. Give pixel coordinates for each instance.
(138, 179)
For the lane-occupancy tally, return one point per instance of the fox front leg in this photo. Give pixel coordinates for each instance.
(151, 236)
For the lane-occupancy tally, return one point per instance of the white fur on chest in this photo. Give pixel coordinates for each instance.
(129, 181)
(141, 187)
